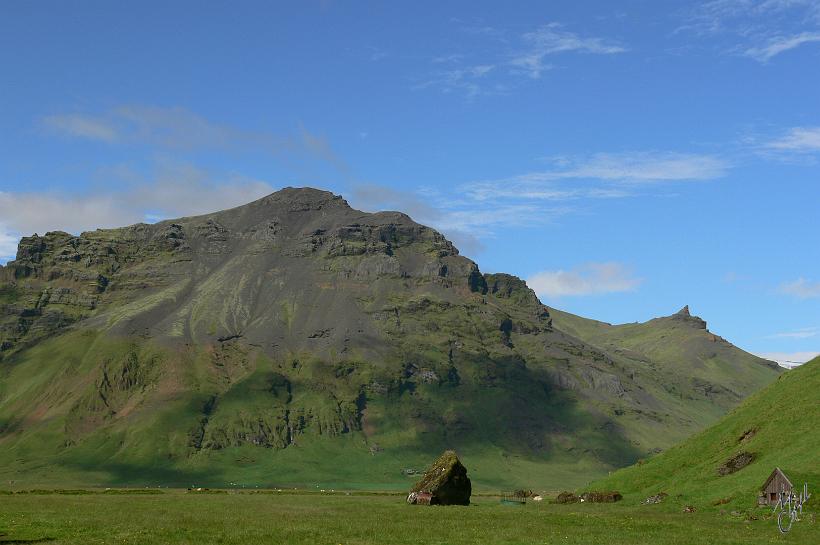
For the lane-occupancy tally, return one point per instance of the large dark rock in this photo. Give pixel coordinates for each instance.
(445, 483)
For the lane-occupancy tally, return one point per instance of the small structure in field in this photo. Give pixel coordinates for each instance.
(514, 498)
(445, 483)
(776, 483)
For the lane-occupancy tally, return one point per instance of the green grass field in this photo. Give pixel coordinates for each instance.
(176, 517)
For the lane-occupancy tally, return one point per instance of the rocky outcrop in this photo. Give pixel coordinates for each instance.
(736, 463)
(566, 497)
(601, 497)
(684, 316)
(657, 498)
(445, 483)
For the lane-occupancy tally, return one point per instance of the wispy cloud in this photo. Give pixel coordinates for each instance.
(446, 59)
(797, 140)
(476, 210)
(802, 333)
(781, 44)
(82, 126)
(789, 359)
(748, 16)
(466, 79)
(759, 29)
(511, 59)
(625, 169)
(179, 129)
(801, 288)
(642, 167)
(157, 131)
(590, 279)
(551, 39)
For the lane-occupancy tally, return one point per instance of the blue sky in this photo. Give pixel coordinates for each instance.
(626, 158)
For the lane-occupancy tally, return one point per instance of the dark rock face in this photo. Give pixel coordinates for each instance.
(736, 463)
(445, 483)
(684, 315)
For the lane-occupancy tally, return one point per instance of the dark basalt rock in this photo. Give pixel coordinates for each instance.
(736, 463)
(445, 483)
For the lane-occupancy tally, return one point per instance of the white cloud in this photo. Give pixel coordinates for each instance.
(798, 140)
(789, 359)
(514, 57)
(624, 168)
(551, 39)
(758, 29)
(482, 208)
(802, 333)
(801, 288)
(749, 16)
(82, 126)
(178, 129)
(446, 59)
(466, 79)
(8, 244)
(781, 44)
(590, 279)
(645, 167)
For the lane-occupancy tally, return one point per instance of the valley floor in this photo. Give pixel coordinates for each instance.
(177, 517)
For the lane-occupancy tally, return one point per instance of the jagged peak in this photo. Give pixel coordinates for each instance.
(315, 198)
(686, 316)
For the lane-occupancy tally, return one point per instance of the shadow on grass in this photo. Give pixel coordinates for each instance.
(4, 539)
(132, 474)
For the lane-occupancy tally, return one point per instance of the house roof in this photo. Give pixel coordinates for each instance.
(775, 472)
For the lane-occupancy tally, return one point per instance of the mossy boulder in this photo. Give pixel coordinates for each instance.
(566, 497)
(445, 483)
(601, 497)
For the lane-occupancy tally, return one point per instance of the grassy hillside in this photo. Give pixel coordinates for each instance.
(778, 425)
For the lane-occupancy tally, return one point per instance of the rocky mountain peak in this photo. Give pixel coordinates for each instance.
(305, 197)
(685, 316)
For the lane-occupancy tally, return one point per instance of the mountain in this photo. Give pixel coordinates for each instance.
(295, 340)
(682, 355)
(776, 427)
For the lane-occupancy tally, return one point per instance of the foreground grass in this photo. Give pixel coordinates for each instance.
(179, 518)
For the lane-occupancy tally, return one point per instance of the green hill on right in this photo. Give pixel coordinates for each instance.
(727, 464)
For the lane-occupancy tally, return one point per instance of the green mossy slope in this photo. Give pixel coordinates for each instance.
(778, 426)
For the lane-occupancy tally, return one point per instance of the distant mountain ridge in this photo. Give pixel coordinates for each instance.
(296, 340)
